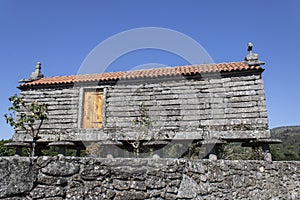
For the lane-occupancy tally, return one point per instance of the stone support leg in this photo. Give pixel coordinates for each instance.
(255, 152)
(62, 150)
(267, 152)
(78, 152)
(212, 155)
(19, 151)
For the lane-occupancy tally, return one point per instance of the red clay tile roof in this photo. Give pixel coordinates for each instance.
(146, 73)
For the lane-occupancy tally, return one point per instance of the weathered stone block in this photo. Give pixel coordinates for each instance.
(121, 185)
(155, 183)
(138, 185)
(130, 195)
(51, 180)
(188, 188)
(94, 172)
(61, 168)
(41, 192)
(17, 176)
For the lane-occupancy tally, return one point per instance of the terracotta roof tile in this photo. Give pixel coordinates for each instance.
(147, 73)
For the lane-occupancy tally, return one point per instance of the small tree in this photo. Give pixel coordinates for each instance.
(27, 116)
(143, 124)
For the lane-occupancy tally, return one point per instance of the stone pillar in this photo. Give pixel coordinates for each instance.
(159, 152)
(19, 151)
(108, 151)
(62, 150)
(62, 145)
(78, 151)
(212, 155)
(38, 150)
(267, 152)
(18, 146)
(120, 152)
(211, 147)
(255, 152)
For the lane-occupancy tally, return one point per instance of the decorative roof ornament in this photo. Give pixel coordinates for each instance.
(252, 58)
(36, 75)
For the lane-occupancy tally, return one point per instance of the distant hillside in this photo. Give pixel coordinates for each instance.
(290, 147)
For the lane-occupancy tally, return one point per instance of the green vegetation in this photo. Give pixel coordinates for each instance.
(142, 123)
(289, 149)
(51, 151)
(234, 151)
(6, 151)
(27, 117)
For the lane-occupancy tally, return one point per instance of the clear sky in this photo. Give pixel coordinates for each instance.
(60, 34)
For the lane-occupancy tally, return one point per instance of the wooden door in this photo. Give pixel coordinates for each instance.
(92, 109)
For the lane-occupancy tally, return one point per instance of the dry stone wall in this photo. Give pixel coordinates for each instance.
(97, 178)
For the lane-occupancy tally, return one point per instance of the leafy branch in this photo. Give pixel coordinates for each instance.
(28, 117)
(143, 123)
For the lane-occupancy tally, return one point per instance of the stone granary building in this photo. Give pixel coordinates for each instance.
(206, 104)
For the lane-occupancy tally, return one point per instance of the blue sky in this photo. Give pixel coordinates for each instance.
(60, 34)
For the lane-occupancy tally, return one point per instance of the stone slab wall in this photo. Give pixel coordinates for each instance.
(62, 110)
(91, 178)
(229, 108)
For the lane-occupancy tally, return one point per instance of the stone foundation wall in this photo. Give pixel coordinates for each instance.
(97, 178)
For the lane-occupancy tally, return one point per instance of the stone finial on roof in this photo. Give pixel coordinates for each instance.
(37, 74)
(252, 58)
